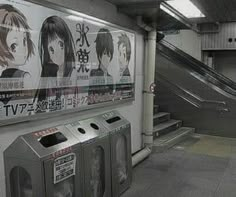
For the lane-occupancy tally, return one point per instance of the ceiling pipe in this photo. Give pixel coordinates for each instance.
(149, 75)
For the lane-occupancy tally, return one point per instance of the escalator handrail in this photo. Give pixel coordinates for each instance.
(201, 103)
(210, 81)
(222, 85)
(198, 65)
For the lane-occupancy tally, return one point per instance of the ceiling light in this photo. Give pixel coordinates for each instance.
(167, 11)
(186, 8)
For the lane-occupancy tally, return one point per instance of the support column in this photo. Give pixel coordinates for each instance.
(149, 78)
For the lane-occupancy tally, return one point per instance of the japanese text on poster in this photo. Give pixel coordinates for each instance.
(54, 61)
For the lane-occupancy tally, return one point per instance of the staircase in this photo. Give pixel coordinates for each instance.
(167, 132)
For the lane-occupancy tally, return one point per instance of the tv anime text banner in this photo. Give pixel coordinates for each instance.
(54, 61)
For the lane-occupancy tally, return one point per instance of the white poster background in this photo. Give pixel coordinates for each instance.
(36, 15)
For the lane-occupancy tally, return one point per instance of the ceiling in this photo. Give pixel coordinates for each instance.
(150, 11)
(216, 11)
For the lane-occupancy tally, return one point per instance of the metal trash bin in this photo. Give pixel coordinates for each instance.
(45, 163)
(121, 158)
(94, 139)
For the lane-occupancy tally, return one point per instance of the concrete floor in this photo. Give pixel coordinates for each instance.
(201, 166)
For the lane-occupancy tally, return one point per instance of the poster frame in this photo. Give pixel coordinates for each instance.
(46, 115)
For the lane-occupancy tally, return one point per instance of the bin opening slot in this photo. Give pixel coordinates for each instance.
(94, 126)
(53, 139)
(112, 120)
(81, 130)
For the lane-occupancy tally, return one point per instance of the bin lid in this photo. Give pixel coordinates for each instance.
(42, 144)
(113, 121)
(87, 130)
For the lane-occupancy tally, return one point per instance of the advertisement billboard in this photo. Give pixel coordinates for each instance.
(54, 60)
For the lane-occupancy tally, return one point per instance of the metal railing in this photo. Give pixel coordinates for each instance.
(198, 65)
(200, 70)
(192, 98)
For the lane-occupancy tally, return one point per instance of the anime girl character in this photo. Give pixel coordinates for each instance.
(124, 53)
(57, 54)
(100, 76)
(16, 46)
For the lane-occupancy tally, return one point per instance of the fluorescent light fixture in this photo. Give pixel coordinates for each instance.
(167, 11)
(186, 8)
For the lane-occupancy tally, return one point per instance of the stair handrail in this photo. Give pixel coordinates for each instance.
(190, 96)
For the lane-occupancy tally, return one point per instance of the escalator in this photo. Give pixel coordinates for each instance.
(194, 92)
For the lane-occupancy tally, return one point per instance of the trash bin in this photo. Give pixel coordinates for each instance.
(45, 163)
(121, 158)
(95, 144)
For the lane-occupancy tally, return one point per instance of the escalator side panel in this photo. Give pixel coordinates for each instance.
(206, 121)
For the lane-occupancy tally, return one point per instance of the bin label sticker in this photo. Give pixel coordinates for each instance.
(64, 167)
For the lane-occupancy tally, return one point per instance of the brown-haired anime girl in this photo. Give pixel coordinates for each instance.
(16, 45)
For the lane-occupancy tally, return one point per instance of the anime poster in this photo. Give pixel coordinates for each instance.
(53, 61)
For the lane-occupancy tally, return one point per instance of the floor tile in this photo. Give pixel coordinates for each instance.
(204, 166)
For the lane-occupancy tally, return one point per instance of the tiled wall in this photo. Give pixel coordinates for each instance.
(224, 40)
(188, 41)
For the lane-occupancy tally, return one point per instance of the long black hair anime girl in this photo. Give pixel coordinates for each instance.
(57, 54)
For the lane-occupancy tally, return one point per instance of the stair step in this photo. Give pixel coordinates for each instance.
(167, 141)
(160, 118)
(166, 127)
(155, 109)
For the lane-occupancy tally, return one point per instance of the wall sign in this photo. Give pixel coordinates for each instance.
(64, 167)
(53, 61)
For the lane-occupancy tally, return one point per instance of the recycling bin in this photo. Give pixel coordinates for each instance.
(95, 145)
(120, 145)
(46, 163)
